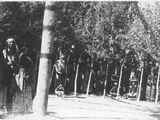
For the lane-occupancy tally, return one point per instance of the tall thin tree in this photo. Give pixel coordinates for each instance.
(120, 81)
(157, 85)
(75, 80)
(140, 83)
(105, 82)
(90, 77)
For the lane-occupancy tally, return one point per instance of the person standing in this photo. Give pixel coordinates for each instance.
(4, 82)
(10, 55)
(59, 67)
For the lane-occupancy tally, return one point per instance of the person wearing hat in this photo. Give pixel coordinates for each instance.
(10, 53)
(59, 67)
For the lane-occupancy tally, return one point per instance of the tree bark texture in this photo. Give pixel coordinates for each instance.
(45, 64)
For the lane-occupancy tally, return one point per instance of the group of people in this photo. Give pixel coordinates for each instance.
(102, 75)
(16, 73)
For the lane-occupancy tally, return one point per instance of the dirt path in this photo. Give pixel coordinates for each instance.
(95, 108)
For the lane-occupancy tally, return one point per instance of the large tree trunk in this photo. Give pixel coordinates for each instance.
(140, 85)
(45, 64)
(157, 86)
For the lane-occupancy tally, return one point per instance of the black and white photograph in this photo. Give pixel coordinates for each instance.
(80, 60)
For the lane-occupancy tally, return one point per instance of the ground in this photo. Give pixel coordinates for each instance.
(95, 108)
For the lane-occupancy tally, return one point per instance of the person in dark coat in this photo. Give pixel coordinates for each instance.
(10, 55)
(25, 68)
(4, 82)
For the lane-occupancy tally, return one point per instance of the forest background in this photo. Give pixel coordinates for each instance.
(92, 26)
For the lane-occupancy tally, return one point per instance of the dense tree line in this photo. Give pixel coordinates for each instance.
(91, 24)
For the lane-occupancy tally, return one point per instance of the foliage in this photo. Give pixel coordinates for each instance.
(20, 18)
(94, 26)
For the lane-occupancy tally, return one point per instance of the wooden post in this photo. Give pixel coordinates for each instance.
(157, 86)
(120, 80)
(45, 65)
(75, 80)
(105, 82)
(140, 85)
